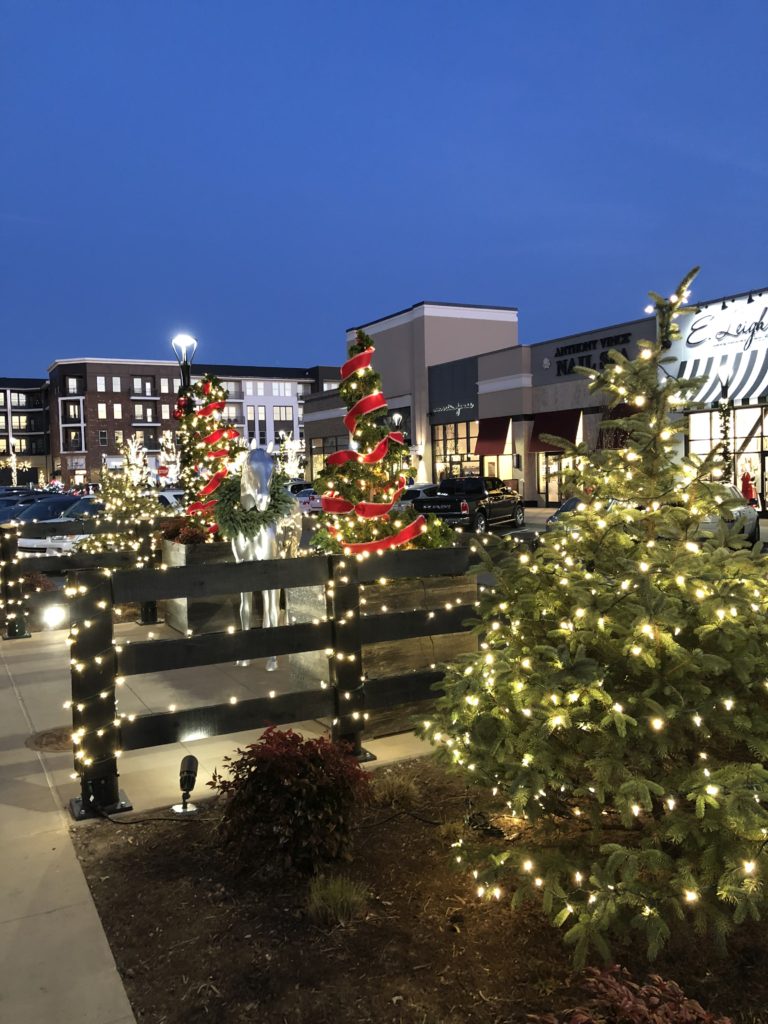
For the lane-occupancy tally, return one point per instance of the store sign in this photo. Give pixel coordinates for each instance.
(592, 354)
(455, 407)
(739, 327)
(727, 348)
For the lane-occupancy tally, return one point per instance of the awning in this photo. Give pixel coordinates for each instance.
(492, 436)
(563, 424)
(746, 373)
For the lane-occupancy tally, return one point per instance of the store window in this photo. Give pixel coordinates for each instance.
(321, 447)
(453, 449)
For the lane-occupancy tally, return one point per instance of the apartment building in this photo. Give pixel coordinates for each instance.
(24, 430)
(97, 404)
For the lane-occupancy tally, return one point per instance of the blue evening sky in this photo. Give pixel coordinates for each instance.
(266, 174)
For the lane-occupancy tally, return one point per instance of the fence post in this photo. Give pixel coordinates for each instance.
(346, 662)
(13, 596)
(96, 724)
(147, 556)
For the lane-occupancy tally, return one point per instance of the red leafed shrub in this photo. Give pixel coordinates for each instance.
(37, 581)
(615, 998)
(183, 532)
(290, 802)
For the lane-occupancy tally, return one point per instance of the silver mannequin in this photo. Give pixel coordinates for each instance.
(278, 541)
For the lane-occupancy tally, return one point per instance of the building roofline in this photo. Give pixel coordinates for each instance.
(222, 369)
(429, 302)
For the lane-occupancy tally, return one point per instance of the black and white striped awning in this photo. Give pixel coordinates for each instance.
(745, 372)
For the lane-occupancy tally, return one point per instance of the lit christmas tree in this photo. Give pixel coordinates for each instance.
(360, 485)
(617, 713)
(209, 447)
(129, 500)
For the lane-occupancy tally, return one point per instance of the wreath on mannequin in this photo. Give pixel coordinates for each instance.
(233, 520)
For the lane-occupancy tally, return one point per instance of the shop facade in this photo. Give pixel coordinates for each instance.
(478, 410)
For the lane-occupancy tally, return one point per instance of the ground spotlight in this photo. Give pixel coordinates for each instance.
(54, 616)
(187, 779)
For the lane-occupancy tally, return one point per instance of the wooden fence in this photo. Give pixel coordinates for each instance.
(16, 604)
(99, 662)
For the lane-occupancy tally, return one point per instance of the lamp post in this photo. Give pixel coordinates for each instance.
(725, 438)
(184, 347)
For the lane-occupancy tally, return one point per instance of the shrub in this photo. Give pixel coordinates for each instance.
(390, 789)
(183, 532)
(335, 900)
(290, 802)
(37, 581)
(614, 997)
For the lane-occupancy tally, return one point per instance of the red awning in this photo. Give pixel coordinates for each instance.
(492, 436)
(563, 424)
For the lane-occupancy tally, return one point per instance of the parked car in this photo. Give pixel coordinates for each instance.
(739, 513)
(479, 502)
(48, 506)
(82, 508)
(171, 497)
(410, 494)
(295, 487)
(309, 500)
(16, 502)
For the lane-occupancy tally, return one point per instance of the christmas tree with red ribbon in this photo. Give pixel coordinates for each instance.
(361, 485)
(210, 446)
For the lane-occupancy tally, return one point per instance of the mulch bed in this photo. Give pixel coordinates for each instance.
(195, 942)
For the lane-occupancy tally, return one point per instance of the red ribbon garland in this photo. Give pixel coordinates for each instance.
(376, 455)
(407, 533)
(358, 362)
(227, 432)
(369, 403)
(364, 509)
(203, 507)
(212, 407)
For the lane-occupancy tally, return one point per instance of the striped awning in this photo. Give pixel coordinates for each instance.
(746, 373)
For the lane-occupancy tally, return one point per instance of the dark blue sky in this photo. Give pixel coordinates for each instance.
(265, 175)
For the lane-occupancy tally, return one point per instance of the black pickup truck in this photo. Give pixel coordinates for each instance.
(479, 502)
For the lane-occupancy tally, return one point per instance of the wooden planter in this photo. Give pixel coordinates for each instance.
(201, 614)
(393, 657)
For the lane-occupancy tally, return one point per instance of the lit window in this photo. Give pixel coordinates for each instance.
(101, 410)
(101, 383)
(117, 410)
(164, 385)
(116, 384)
(165, 411)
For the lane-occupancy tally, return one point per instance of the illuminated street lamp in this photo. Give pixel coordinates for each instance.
(184, 347)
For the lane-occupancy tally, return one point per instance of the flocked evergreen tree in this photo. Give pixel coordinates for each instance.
(361, 484)
(617, 710)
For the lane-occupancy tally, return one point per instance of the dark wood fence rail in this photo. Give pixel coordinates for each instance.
(14, 564)
(99, 662)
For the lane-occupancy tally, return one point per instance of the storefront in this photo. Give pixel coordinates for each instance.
(725, 345)
(453, 418)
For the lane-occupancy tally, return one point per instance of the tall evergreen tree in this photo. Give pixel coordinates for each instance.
(617, 711)
(129, 501)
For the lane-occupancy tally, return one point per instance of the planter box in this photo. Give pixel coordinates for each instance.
(392, 657)
(202, 614)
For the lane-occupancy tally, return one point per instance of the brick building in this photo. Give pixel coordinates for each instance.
(97, 404)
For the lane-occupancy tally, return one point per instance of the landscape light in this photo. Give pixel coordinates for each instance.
(54, 616)
(187, 779)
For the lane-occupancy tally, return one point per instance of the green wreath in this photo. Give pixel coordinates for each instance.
(233, 520)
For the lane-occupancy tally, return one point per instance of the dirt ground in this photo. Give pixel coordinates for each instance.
(195, 942)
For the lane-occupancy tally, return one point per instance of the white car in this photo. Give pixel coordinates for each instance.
(171, 500)
(415, 491)
(309, 500)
